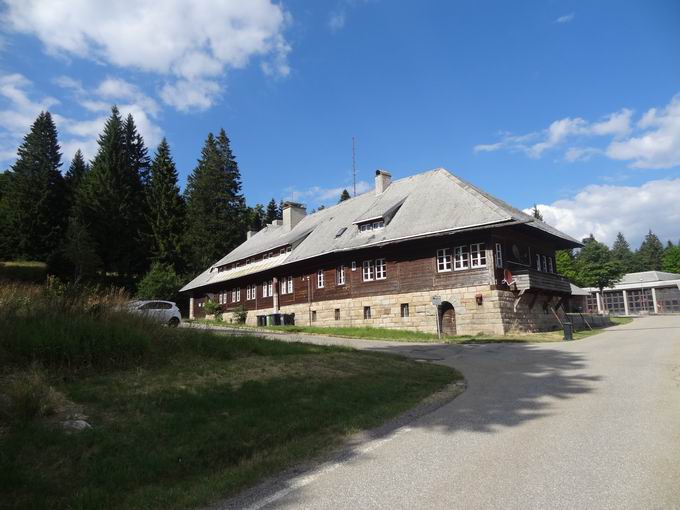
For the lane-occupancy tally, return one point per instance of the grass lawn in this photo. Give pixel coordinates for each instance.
(199, 418)
(370, 333)
(23, 271)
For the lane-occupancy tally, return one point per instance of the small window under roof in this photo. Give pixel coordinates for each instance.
(341, 231)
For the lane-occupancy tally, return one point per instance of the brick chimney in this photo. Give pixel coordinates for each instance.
(382, 180)
(292, 214)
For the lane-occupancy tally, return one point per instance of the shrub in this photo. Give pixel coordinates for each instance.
(212, 308)
(240, 315)
(27, 395)
(161, 282)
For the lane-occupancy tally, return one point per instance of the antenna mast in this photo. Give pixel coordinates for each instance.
(354, 168)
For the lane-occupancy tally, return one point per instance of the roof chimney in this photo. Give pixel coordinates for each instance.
(382, 181)
(292, 214)
(250, 233)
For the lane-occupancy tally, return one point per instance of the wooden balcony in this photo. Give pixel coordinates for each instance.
(527, 279)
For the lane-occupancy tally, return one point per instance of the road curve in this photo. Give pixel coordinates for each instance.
(588, 424)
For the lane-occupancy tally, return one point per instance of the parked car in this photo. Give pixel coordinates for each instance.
(165, 312)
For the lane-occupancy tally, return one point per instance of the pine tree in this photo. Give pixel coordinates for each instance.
(213, 206)
(650, 254)
(272, 212)
(279, 210)
(238, 211)
(622, 253)
(108, 201)
(6, 243)
(36, 196)
(166, 210)
(74, 177)
(344, 196)
(137, 154)
(536, 213)
(257, 215)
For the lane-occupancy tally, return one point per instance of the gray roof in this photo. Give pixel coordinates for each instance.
(431, 203)
(648, 277)
(578, 291)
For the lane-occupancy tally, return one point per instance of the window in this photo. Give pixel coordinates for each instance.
(368, 270)
(378, 224)
(286, 285)
(319, 279)
(367, 312)
(282, 251)
(233, 296)
(443, 260)
(247, 261)
(340, 275)
(289, 249)
(499, 256)
(267, 289)
(238, 294)
(404, 309)
(340, 232)
(365, 227)
(380, 271)
(265, 256)
(477, 255)
(354, 266)
(313, 315)
(551, 268)
(538, 262)
(545, 263)
(337, 314)
(460, 258)
(249, 292)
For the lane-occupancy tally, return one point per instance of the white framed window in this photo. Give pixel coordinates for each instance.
(238, 294)
(443, 260)
(319, 279)
(251, 292)
(499, 255)
(286, 285)
(367, 312)
(340, 275)
(477, 255)
(270, 288)
(354, 265)
(460, 258)
(404, 310)
(366, 227)
(289, 284)
(538, 262)
(544, 259)
(233, 296)
(288, 249)
(551, 268)
(368, 270)
(380, 269)
(267, 289)
(378, 224)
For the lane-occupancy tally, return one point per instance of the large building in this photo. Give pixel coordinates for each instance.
(380, 258)
(648, 292)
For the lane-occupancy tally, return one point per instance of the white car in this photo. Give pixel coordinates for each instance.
(165, 312)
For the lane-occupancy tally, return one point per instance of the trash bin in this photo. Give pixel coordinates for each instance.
(288, 319)
(261, 320)
(568, 331)
(274, 319)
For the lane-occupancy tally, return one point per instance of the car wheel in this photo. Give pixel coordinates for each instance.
(174, 322)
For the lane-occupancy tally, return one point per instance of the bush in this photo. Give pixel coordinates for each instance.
(27, 395)
(161, 282)
(212, 308)
(240, 315)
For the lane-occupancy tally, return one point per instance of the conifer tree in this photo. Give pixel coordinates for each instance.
(650, 254)
(238, 211)
(272, 211)
(214, 208)
(108, 201)
(622, 253)
(166, 210)
(257, 215)
(35, 199)
(344, 196)
(6, 244)
(279, 210)
(536, 213)
(74, 176)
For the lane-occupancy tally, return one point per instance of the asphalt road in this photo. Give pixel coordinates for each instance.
(587, 424)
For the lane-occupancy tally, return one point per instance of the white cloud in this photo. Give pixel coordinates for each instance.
(604, 210)
(185, 95)
(317, 195)
(117, 89)
(193, 42)
(566, 18)
(652, 142)
(336, 21)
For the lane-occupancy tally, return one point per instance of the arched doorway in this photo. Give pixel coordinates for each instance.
(447, 318)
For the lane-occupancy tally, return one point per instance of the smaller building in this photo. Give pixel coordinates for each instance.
(647, 292)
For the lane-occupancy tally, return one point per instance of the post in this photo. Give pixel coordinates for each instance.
(625, 302)
(309, 300)
(275, 288)
(191, 308)
(438, 318)
(656, 309)
(598, 297)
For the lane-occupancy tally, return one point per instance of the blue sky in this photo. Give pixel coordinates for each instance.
(571, 105)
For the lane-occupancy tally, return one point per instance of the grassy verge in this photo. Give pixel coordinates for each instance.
(190, 418)
(369, 333)
(23, 271)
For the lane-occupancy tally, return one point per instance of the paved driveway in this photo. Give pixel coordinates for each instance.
(587, 424)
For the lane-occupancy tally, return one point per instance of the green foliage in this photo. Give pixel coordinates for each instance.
(211, 307)
(272, 213)
(23, 272)
(566, 264)
(74, 177)
(240, 315)
(110, 202)
(256, 217)
(344, 196)
(26, 394)
(161, 282)
(35, 198)
(216, 211)
(80, 251)
(166, 210)
(536, 213)
(650, 254)
(671, 260)
(622, 254)
(595, 266)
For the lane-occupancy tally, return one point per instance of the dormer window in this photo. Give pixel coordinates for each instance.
(372, 225)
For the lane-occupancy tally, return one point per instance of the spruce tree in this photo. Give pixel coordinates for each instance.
(238, 211)
(36, 196)
(211, 207)
(344, 196)
(108, 201)
(74, 177)
(166, 210)
(257, 215)
(622, 253)
(6, 243)
(536, 213)
(650, 254)
(272, 212)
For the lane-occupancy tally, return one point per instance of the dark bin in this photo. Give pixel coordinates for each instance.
(261, 320)
(274, 319)
(568, 331)
(289, 319)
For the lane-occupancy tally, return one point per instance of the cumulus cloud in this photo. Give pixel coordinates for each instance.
(566, 18)
(19, 110)
(188, 42)
(651, 142)
(604, 210)
(317, 195)
(338, 16)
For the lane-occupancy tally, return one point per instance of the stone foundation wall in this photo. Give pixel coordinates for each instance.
(495, 315)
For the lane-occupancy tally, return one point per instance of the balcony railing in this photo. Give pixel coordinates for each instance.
(530, 279)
